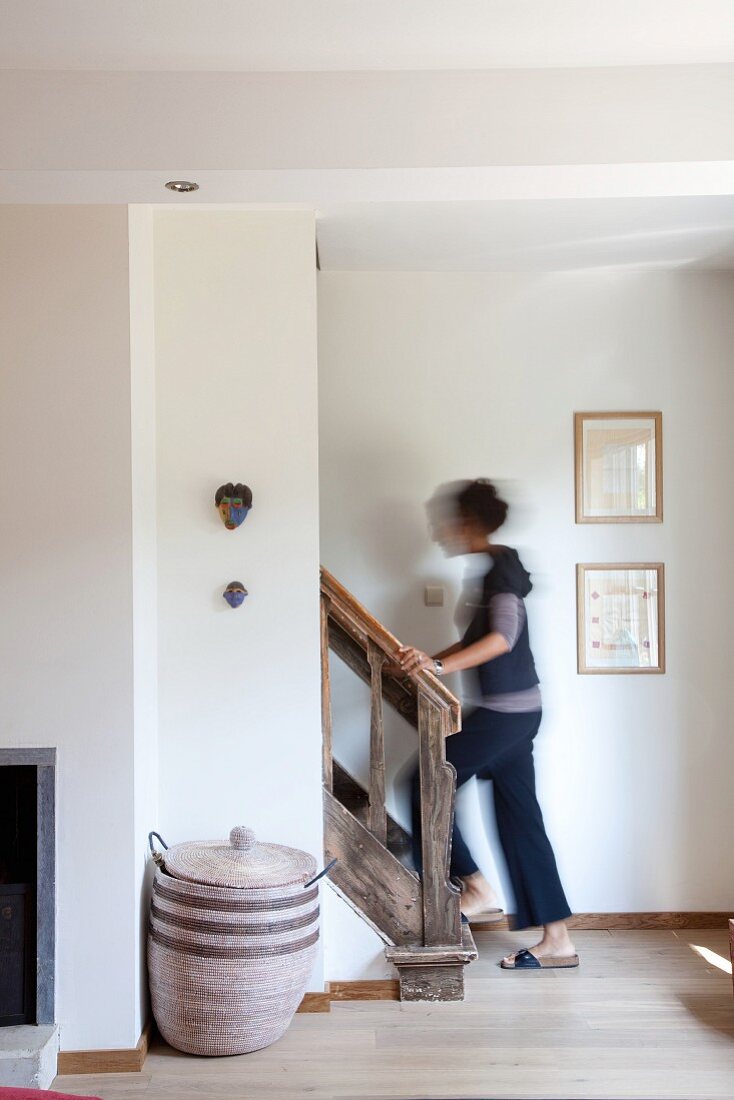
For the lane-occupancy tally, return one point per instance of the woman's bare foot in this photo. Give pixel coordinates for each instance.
(555, 944)
(477, 896)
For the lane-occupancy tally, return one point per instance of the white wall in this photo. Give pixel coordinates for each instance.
(66, 628)
(240, 731)
(80, 560)
(428, 377)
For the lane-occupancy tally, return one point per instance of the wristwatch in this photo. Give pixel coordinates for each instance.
(437, 667)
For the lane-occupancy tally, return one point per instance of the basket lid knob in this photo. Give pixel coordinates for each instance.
(242, 839)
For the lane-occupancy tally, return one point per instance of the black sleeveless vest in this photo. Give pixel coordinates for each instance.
(513, 671)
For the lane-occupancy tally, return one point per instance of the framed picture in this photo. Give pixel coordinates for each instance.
(621, 618)
(619, 467)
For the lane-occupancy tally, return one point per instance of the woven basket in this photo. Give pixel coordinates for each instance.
(231, 944)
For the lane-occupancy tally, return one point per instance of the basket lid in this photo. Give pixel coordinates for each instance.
(242, 862)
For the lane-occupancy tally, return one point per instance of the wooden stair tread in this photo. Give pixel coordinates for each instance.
(419, 955)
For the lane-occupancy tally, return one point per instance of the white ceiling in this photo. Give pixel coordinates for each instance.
(556, 235)
(539, 233)
(294, 35)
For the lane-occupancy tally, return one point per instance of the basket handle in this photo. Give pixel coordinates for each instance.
(321, 874)
(157, 856)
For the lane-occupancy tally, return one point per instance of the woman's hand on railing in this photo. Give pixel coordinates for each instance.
(395, 665)
(412, 660)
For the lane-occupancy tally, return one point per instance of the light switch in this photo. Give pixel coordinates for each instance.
(434, 595)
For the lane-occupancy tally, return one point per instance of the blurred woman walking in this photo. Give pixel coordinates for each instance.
(496, 741)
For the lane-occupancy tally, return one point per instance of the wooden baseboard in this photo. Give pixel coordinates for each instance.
(72, 1062)
(316, 1002)
(610, 921)
(382, 989)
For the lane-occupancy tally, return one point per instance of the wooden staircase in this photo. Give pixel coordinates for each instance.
(418, 918)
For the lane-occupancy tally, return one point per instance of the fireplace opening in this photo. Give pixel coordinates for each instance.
(18, 892)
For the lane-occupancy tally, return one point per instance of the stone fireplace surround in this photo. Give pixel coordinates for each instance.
(28, 1052)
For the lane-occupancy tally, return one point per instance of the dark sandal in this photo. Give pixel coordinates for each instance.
(526, 960)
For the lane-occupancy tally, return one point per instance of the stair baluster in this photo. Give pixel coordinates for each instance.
(377, 808)
(326, 724)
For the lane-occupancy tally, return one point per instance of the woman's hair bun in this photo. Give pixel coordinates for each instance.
(480, 500)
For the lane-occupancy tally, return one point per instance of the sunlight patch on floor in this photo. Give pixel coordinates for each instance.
(711, 957)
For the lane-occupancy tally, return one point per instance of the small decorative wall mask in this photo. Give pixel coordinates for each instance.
(235, 593)
(233, 503)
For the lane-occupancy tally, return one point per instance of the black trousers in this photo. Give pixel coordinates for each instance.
(499, 747)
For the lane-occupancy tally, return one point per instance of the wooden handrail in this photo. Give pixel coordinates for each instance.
(363, 627)
(368, 648)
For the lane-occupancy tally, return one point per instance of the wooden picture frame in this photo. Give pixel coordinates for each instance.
(619, 467)
(621, 618)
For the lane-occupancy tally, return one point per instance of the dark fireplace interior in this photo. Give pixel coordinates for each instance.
(18, 881)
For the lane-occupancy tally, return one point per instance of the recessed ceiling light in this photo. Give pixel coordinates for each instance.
(182, 185)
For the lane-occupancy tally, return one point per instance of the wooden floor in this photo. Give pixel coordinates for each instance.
(644, 1016)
